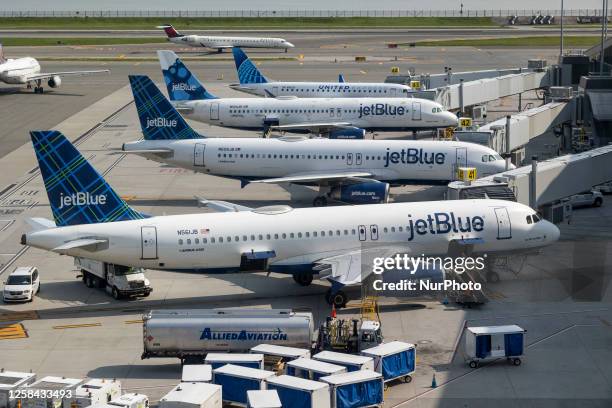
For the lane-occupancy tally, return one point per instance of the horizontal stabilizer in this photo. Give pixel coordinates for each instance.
(40, 224)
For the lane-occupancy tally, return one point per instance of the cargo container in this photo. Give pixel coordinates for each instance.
(236, 381)
(493, 342)
(130, 400)
(192, 395)
(312, 369)
(191, 334)
(393, 360)
(297, 392)
(94, 391)
(363, 388)
(50, 392)
(217, 360)
(197, 373)
(10, 381)
(350, 361)
(263, 399)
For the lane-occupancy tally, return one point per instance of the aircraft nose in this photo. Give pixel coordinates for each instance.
(551, 230)
(450, 119)
(510, 166)
(289, 44)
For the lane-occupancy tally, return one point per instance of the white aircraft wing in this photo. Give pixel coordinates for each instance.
(85, 243)
(158, 152)
(312, 177)
(352, 267)
(47, 75)
(314, 126)
(222, 206)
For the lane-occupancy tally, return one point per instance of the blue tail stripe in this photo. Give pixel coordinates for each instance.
(159, 120)
(182, 85)
(77, 193)
(247, 71)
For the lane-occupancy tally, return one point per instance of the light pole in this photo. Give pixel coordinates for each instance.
(561, 43)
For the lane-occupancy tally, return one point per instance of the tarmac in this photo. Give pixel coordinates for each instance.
(73, 331)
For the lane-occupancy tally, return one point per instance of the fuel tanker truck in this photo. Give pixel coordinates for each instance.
(191, 334)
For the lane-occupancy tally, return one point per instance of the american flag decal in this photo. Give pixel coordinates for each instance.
(204, 231)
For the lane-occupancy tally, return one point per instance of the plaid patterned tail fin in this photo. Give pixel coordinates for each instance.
(158, 118)
(77, 193)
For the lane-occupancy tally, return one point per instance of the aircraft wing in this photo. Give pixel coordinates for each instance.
(313, 177)
(314, 127)
(47, 75)
(222, 206)
(352, 267)
(84, 243)
(217, 46)
(158, 152)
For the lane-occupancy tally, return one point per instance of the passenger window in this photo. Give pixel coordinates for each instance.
(299, 235)
(392, 229)
(244, 238)
(385, 230)
(229, 239)
(189, 241)
(196, 241)
(204, 240)
(275, 236)
(212, 240)
(236, 238)
(260, 237)
(252, 237)
(284, 236)
(322, 233)
(292, 235)
(268, 236)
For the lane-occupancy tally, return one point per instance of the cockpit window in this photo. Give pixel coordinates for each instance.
(436, 110)
(485, 157)
(533, 218)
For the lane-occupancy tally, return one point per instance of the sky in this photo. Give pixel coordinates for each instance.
(293, 4)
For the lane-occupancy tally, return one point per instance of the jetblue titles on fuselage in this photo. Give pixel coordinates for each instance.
(413, 156)
(444, 223)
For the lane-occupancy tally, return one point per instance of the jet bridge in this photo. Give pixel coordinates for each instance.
(513, 132)
(542, 185)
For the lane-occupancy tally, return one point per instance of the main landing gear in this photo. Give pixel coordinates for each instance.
(38, 89)
(303, 278)
(338, 299)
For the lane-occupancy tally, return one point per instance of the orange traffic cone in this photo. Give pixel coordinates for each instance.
(333, 312)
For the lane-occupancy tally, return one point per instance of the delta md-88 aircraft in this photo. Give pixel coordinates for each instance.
(92, 221)
(336, 117)
(26, 71)
(252, 81)
(350, 171)
(222, 42)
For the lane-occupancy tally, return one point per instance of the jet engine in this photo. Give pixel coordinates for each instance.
(55, 81)
(370, 192)
(348, 133)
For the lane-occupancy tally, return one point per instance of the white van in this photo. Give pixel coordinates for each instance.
(21, 285)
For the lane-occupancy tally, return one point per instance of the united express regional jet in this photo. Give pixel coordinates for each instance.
(252, 81)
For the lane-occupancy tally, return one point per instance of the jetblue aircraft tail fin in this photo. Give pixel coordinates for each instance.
(247, 71)
(77, 193)
(159, 120)
(181, 83)
(170, 31)
(341, 78)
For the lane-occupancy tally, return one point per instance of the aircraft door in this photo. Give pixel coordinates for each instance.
(504, 226)
(214, 111)
(275, 90)
(349, 159)
(362, 233)
(149, 242)
(416, 110)
(393, 92)
(374, 232)
(358, 159)
(198, 154)
(460, 160)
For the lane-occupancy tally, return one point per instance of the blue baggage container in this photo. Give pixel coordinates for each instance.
(393, 360)
(356, 389)
(236, 381)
